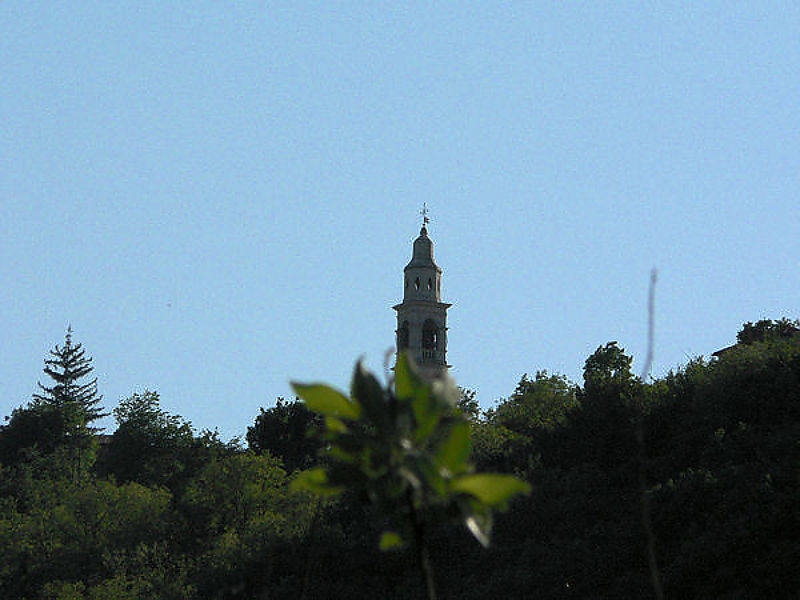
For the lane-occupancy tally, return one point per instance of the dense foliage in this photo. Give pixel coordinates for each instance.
(158, 510)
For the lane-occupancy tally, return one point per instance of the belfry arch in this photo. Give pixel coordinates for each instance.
(430, 335)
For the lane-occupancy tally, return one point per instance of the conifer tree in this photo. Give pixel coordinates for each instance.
(78, 402)
(68, 365)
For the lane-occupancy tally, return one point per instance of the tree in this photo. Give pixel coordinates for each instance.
(67, 367)
(79, 534)
(240, 513)
(724, 440)
(609, 365)
(603, 426)
(31, 430)
(285, 431)
(767, 329)
(150, 446)
(541, 403)
(58, 418)
(468, 405)
(76, 401)
(525, 423)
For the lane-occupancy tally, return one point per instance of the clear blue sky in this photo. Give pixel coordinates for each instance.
(221, 197)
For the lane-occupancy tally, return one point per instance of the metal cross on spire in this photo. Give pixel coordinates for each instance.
(424, 214)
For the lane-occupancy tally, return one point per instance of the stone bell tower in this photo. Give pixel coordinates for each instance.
(422, 316)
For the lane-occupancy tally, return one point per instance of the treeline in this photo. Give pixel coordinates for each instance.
(688, 484)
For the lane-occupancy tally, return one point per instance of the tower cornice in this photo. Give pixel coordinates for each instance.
(423, 303)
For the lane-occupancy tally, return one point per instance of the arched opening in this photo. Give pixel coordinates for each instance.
(416, 284)
(402, 336)
(430, 335)
(430, 284)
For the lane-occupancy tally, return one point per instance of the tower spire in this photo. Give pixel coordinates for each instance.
(422, 316)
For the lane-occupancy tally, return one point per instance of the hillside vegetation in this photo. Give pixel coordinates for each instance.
(689, 482)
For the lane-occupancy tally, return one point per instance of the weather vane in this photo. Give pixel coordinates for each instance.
(424, 214)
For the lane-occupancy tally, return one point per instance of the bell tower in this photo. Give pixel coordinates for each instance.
(422, 316)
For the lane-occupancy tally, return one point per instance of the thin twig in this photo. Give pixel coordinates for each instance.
(423, 557)
(647, 522)
(651, 323)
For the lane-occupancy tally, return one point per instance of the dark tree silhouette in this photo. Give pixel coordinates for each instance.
(286, 430)
(767, 329)
(68, 365)
(76, 401)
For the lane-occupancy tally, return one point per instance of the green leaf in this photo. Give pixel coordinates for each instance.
(454, 452)
(335, 425)
(410, 386)
(425, 413)
(492, 489)
(406, 380)
(391, 540)
(314, 480)
(342, 455)
(367, 391)
(326, 400)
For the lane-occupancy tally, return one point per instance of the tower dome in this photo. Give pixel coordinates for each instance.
(422, 254)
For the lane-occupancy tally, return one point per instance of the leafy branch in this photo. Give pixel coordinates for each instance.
(405, 447)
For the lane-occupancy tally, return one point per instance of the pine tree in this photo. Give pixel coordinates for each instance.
(78, 402)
